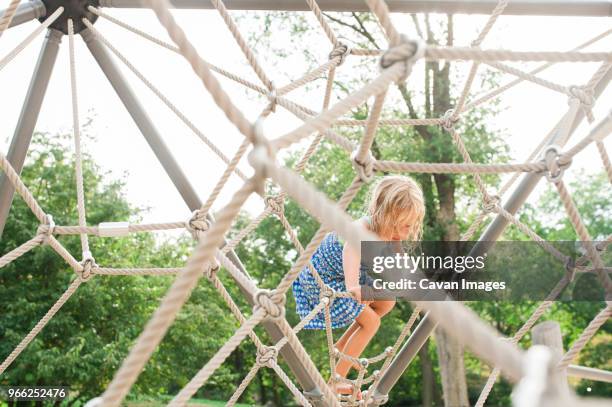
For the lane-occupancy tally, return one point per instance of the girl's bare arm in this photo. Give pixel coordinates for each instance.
(351, 261)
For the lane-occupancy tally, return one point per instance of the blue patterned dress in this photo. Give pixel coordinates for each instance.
(327, 260)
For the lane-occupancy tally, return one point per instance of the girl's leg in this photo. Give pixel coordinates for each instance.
(368, 323)
(341, 344)
(382, 307)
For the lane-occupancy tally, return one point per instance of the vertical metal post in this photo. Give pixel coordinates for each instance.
(144, 123)
(492, 233)
(403, 358)
(28, 117)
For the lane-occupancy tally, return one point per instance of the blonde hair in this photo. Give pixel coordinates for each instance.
(393, 198)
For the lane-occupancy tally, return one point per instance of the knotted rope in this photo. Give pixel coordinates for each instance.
(341, 51)
(407, 52)
(270, 301)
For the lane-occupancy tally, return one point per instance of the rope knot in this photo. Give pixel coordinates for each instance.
(570, 268)
(490, 203)
(276, 203)
(555, 167)
(407, 52)
(260, 155)
(381, 399)
(365, 167)
(449, 120)
(272, 302)
(211, 267)
(586, 96)
(273, 98)
(327, 295)
(46, 228)
(88, 263)
(364, 362)
(197, 224)
(266, 356)
(341, 50)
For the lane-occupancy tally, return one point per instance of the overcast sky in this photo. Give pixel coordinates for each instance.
(529, 111)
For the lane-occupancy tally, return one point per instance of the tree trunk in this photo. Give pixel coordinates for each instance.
(428, 386)
(262, 395)
(452, 370)
(450, 353)
(277, 397)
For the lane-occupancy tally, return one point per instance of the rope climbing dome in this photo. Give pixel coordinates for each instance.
(533, 372)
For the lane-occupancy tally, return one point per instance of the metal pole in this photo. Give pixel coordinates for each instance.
(142, 120)
(144, 123)
(590, 373)
(28, 117)
(483, 245)
(403, 359)
(29, 10)
(593, 8)
(528, 183)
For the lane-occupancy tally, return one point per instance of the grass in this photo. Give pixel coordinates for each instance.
(163, 400)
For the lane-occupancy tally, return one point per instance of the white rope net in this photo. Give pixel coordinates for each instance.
(207, 259)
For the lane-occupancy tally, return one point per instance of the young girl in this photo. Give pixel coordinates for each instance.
(395, 212)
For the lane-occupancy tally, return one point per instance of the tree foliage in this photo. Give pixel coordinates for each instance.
(84, 344)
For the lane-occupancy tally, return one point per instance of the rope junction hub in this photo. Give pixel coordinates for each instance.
(583, 94)
(490, 203)
(73, 9)
(364, 167)
(89, 264)
(272, 97)
(364, 362)
(47, 228)
(570, 268)
(276, 203)
(555, 166)
(271, 302)
(408, 51)
(449, 120)
(327, 295)
(210, 268)
(197, 224)
(341, 50)
(378, 399)
(266, 356)
(586, 97)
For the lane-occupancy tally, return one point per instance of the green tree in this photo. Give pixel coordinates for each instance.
(84, 344)
(547, 217)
